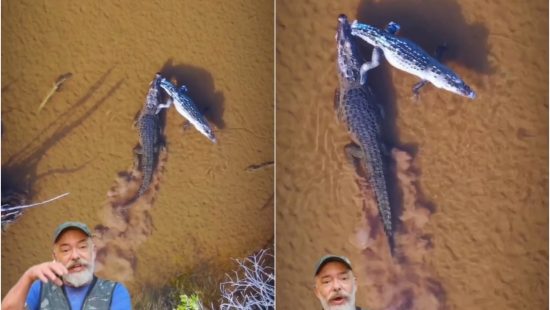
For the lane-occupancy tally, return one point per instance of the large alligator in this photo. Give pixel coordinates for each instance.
(409, 57)
(356, 105)
(187, 108)
(150, 132)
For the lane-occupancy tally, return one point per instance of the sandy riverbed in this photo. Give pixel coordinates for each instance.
(473, 174)
(205, 206)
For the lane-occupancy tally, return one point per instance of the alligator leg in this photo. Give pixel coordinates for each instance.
(354, 151)
(416, 88)
(437, 54)
(186, 125)
(165, 105)
(373, 63)
(393, 28)
(356, 157)
(138, 151)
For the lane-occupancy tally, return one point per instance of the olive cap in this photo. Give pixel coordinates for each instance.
(77, 225)
(331, 258)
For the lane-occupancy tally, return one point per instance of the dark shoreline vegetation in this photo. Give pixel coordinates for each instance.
(250, 283)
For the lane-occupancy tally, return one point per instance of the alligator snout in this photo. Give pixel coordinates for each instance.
(342, 18)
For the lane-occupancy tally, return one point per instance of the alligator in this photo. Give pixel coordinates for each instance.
(409, 57)
(357, 107)
(187, 108)
(150, 133)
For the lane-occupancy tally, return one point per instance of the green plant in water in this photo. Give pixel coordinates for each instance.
(189, 303)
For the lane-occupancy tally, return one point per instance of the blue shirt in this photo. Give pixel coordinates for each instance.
(76, 295)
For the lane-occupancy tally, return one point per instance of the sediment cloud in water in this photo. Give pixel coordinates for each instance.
(126, 223)
(406, 281)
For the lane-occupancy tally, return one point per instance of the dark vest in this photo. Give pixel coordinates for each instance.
(99, 295)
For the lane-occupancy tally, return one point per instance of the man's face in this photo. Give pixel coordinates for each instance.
(75, 250)
(335, 286)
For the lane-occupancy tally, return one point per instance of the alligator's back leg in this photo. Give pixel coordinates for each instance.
(138, 152)
(373, 63)
(437, 54)
(393, 28)
(355, 156)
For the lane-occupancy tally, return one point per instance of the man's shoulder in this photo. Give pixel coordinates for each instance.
(121, 297)
(107, 282)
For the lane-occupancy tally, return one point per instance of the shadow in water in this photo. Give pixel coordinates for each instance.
(19, 173)
(200, 84)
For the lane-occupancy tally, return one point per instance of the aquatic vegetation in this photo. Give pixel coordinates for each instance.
(252, 286)
(190, 303)
(13, 204)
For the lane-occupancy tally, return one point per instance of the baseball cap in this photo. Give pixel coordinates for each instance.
(77, 225)
(331, 258)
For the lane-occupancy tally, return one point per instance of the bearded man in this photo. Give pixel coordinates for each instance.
(335, 284)
(68, 282)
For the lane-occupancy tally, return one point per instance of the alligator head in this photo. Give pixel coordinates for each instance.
(455, 84)
(207, 131)
(348, 58)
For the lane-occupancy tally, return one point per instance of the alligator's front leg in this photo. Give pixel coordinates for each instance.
(438, 55)
(373, 63)
(392, 28)
(165, 105)
(416, 88)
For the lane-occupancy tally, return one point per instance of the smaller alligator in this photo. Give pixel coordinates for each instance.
(357, 106)
(409, 57)
(187, 108)
(150, 132)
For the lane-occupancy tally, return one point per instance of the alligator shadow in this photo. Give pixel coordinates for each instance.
(19, 173)
(200, 84)
(430, 23)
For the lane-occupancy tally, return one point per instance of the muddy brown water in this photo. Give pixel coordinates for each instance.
(204, 205)
(471, 176)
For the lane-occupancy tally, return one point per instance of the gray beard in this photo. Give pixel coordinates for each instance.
(81, 278)
(348, 306)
